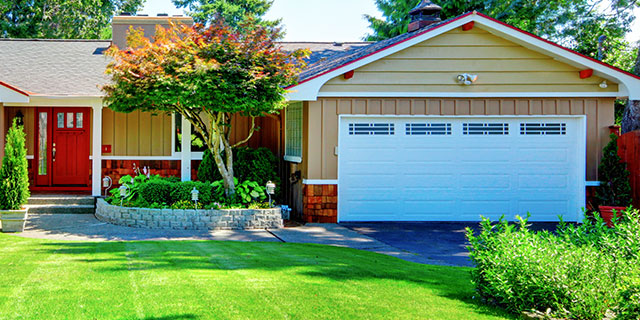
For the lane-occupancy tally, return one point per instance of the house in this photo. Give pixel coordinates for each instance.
(449, 121)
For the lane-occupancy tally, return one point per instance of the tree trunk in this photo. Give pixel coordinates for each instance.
(631, 117)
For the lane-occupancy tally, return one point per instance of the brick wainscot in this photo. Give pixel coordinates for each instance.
(320, 203)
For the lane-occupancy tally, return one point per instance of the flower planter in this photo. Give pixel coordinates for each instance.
(13, 220)
(606, 212)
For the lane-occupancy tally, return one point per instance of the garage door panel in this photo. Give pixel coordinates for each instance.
(490, 167)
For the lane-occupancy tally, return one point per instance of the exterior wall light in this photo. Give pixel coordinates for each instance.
(271, 190)
(604, 84)
(124, 191)
(194, 196)
(106, 184)
(467, 79)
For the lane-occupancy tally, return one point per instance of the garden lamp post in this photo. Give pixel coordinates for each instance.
(194, 196)
(124, 191)
(106, 184)
(271, 190)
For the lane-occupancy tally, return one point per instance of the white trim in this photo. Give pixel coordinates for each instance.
(8, 95)
(592, 183)
(293, 159)
(318, 181)
(185, 147)
(96, 152)
(140, 158)
(30, 157)
(469, 94)
(628, 85)
(581, 147)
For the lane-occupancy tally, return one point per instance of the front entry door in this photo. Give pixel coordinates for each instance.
(63, 147)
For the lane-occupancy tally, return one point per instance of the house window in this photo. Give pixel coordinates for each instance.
(293, 132)
(197, 142)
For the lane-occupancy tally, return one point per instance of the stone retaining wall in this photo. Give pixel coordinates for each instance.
(232, 219)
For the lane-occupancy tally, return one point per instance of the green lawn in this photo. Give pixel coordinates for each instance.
(41, 279)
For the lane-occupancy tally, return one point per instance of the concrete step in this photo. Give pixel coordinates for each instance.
(61, 200)
(61, 209)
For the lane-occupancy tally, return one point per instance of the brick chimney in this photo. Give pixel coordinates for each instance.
(426, 13)
(120, 25)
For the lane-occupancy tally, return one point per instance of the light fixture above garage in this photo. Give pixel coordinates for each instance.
(604, 84)
(467, 79)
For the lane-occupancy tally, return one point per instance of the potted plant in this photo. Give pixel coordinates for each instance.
(614, 192)
(14, 181)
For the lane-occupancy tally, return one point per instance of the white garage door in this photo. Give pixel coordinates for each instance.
(457, 169)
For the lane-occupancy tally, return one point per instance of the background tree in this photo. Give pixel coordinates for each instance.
(207, 75)
(234, 12)
(61, 19)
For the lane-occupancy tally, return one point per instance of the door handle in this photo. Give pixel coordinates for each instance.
(53, 151)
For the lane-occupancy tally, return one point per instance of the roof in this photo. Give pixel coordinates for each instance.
(316, 74)
(54, 67)
(76, 67)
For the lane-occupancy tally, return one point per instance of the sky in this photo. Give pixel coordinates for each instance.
(322, 20)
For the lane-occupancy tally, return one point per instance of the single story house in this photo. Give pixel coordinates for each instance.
(452, 120)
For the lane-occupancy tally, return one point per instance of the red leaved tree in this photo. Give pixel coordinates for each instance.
(207, 75)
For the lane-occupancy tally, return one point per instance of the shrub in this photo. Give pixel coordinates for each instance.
(182, 192)
(614, 189)
(14, 174)
(157, 191)
(259, 165)
(578, 272)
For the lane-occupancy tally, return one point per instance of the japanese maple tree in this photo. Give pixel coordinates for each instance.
(206, 74)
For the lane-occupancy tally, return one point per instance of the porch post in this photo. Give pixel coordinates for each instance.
(185, 163)
(96, 153)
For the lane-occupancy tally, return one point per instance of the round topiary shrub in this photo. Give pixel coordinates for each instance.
(157, 191)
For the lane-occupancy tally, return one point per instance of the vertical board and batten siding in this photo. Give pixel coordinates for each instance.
(29, 125)
(433, 65)
(321, 122)
(136, 133)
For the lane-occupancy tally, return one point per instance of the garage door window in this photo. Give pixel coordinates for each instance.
(485, 128)
(427, 129)
(543, 129)
(386, 129)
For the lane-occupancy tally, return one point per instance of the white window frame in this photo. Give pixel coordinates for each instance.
(296, 157)
(195, 155)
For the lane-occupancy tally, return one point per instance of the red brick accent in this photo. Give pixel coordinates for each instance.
(320, 203)
(118, 168)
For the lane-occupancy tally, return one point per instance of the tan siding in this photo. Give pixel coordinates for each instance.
(321, 122)
(136, 133)
(29, 125)
(433, 65)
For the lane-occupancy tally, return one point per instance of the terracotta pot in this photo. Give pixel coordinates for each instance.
(606, 212)
(13, 220)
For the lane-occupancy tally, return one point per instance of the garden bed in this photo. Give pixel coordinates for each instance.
(179, 219)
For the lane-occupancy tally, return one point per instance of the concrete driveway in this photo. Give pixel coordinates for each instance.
(441, 243)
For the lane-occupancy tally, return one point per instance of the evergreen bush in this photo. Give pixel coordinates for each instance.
(14, 173)
(259, 165)
(614, 189)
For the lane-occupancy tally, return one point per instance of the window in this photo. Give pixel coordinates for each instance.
(543, 129)
(293, 132)
(197, 142)
(485, 128)
(424, 129)
(387, 129)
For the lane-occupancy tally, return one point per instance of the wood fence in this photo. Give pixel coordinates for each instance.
(629, 151)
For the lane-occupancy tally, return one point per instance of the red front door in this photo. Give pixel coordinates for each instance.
(62, 147)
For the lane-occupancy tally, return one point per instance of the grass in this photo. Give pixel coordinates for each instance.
(43, 279)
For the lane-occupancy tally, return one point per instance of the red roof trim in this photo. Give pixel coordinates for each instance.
(458, 18)
(24, 93)
(382, 49)
(559, 46)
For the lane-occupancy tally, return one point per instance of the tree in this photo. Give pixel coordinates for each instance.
(234, 12)
(207, 75)
(60, 19)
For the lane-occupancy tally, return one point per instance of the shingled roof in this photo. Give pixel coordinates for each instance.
(76, 67)
(342, 58)
(54, 67)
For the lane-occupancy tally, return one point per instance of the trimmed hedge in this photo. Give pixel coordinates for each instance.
(157, 191)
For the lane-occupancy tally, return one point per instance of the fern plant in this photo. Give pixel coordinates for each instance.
(14, 173)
